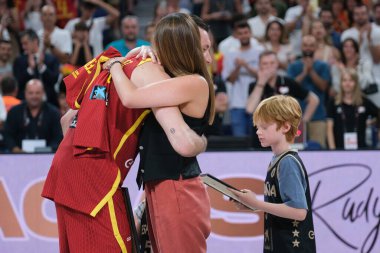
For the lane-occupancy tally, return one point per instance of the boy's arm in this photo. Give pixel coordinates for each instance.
(280, 210)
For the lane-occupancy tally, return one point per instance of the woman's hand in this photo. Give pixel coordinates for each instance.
(143, 52)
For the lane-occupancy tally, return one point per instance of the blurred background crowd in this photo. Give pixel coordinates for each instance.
(324, 53)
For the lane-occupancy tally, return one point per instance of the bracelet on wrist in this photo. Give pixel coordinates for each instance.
(112, 63)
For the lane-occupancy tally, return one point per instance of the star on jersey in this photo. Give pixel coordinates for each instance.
(296, 243)
(99, 92)
(296, 233)
(295, 223)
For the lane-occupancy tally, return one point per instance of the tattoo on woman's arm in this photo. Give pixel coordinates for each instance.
(172, 130)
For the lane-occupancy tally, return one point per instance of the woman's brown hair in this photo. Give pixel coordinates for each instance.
(177, 42)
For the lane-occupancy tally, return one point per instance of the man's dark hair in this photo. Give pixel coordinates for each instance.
(31, 34)
(200, 23)
(360, 5)
(325, 9)
(87, 5)
(5, 42)
(8, 85)
(242, 24)
(81, 26)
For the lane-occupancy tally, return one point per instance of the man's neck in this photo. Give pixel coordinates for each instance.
(49, 29)
(34, 111)
(130, 44)
(245, 47)
(264, 17)
(360, 27)
(272, 81)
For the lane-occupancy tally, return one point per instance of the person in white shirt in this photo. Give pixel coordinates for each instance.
(232, 43)
(264, 15)
(53, 39)
(96, 25)
(298, 19)
(240, 69)
(32, 15)
(367, 35)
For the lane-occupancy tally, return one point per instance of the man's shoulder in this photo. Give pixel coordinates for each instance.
(116, 43)
(71, 23)
(296, 64)
(141, 42)
(51, 108)
(59, 31)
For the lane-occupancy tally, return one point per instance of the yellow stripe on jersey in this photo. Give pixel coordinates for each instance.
(144, 61)
(130, 131)
(109, 195)
(115, 228)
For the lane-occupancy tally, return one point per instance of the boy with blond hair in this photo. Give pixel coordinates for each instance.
(288, 225)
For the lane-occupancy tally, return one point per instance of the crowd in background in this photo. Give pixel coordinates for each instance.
(324, 53)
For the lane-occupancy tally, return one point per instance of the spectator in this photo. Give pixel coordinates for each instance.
(149, 31)
(325, 51)
(232, 43)
(160, 11)
(327, 18)
(32, 15)
(65, 11)
(259, 23)
(342, 19)
(240, 69)
(5, 58)
(275, 40)
(96, 25)
(33, 119)
(297, 21)
(348, 114)
(9, 90)
(130, 31)
(63, 106)
(269, 83)
(219, 16)
(351, 59)
(9, 25)
(36, 64)
(82, 51)
(365, 33)
(54, 40)
(376, 13)
(313, 75)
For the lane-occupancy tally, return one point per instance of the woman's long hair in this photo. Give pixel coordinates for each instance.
(356, 48)
(357, 96)
(177, 42)
(284, 33)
